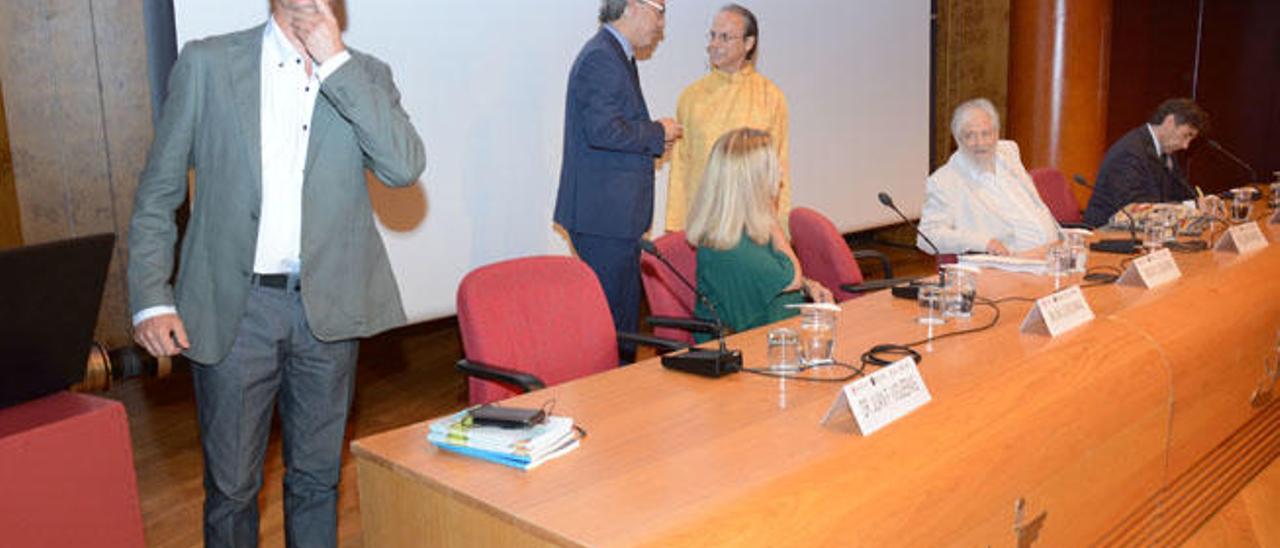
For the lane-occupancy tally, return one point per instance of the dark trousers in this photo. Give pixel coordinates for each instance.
(275, 361)
(616, 262)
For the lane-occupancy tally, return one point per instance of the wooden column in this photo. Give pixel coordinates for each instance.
(78, 109)
(10, 227)
(1058, 81)
(971, 59)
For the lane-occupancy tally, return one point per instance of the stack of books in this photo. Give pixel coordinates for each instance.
(523, 448)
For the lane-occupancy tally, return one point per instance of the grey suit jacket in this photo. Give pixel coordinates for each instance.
(210, 122)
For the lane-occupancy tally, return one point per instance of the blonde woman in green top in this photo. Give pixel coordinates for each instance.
(746, 266)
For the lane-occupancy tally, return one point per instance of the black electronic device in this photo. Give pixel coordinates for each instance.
(1125, 246)
(49, 299)
(507, 417)
(699, 361)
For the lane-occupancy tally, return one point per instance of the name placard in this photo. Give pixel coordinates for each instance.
(1151, 270)
(1058, 313)
(880, 398)
(1242, 238)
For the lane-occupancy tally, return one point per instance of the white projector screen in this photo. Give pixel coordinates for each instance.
(484, 83)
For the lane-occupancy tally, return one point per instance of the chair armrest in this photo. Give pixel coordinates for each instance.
(480, 370)
(664, 345)
(692, 325)
(883, 259)
(1085, 226)
(875, 285)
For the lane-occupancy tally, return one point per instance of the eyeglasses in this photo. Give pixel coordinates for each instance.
(661, 9)
(714, 36)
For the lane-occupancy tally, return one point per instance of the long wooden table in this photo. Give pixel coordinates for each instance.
(1129, 430)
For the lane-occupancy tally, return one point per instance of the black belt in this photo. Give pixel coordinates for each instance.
(274, 281)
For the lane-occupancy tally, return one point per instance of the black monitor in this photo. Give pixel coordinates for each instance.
(49, 299)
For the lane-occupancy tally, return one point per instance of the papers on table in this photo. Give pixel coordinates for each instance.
(523, 448)
(1010, 264)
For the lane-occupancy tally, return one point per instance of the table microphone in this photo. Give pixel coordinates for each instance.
(1127, 246)
(1252, 174)
(888, 202)
(699, 361)
(912, 289)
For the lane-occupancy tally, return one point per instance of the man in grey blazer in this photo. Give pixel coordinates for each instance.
(282, 267)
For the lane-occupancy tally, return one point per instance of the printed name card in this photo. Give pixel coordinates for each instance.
(1242, 238)
(880, 398)
(1058, 313)
(1151, 270)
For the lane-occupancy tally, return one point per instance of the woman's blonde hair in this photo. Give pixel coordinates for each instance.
(737, 193)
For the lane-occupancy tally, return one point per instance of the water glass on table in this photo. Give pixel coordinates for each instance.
(817, 333)
(959, 287)
(1241, 204)
(784, 350)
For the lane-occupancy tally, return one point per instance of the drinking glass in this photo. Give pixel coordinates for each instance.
(1058, 262)
(1274, 199)
(1154, 230)
(1075, 241)
(959, 286)
(784, 349)
(817, 334)
(929, 299)
(1241, 204)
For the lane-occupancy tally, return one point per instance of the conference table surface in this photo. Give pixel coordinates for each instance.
(1077, 429)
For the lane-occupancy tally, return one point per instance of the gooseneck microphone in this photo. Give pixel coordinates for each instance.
(888, 202)
(1253, 175)
(1127, 246)
(707, 363)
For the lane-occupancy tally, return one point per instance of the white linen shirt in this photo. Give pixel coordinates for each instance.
(966, 207)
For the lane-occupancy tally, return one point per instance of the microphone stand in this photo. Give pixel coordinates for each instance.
(713, 363)
(1126, 246)
(912, 289)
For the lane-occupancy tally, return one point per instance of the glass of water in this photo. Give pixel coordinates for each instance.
(1241, 204)
(1057, 261)
(1075, 239)
(1154, 230)
(817, 333)
(959, 286)
(1274, 199)
(784, 350)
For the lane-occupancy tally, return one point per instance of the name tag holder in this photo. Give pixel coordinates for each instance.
(1058, 313)
(879, 399)
(1242, 238)
(1151, 270)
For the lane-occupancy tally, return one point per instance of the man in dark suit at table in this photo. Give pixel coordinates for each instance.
(282, 266)
(1140, 166)
(605, 199)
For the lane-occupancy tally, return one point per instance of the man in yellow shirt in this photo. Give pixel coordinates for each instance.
(732, 96)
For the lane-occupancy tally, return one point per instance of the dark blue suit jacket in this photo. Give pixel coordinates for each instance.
(1132, 172)
(606, 174)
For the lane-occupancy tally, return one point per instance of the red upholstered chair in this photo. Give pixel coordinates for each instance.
(825, 257)
(1054, 190)
(668, 296)
(534, 322)
(67, 474)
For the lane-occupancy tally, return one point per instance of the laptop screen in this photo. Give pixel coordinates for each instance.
(49, 299)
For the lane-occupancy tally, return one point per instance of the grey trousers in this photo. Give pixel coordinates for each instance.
(274, 361)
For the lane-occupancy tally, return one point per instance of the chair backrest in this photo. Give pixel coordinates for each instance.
(667, 295)
(824, 255)
(545, 315)
(1054, 190)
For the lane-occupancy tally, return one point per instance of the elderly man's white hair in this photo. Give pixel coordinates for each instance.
(967, 109)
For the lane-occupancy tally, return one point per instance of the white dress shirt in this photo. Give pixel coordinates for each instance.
(288, 98)
(965, 206)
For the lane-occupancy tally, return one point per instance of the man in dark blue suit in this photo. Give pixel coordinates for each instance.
(1140, 166)
(605, 200)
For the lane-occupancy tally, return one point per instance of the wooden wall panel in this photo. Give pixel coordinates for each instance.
(10, 227)
(1222, 53)
(971, 59)
(78, 111)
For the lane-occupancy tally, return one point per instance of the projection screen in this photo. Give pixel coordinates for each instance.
(484, 82)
